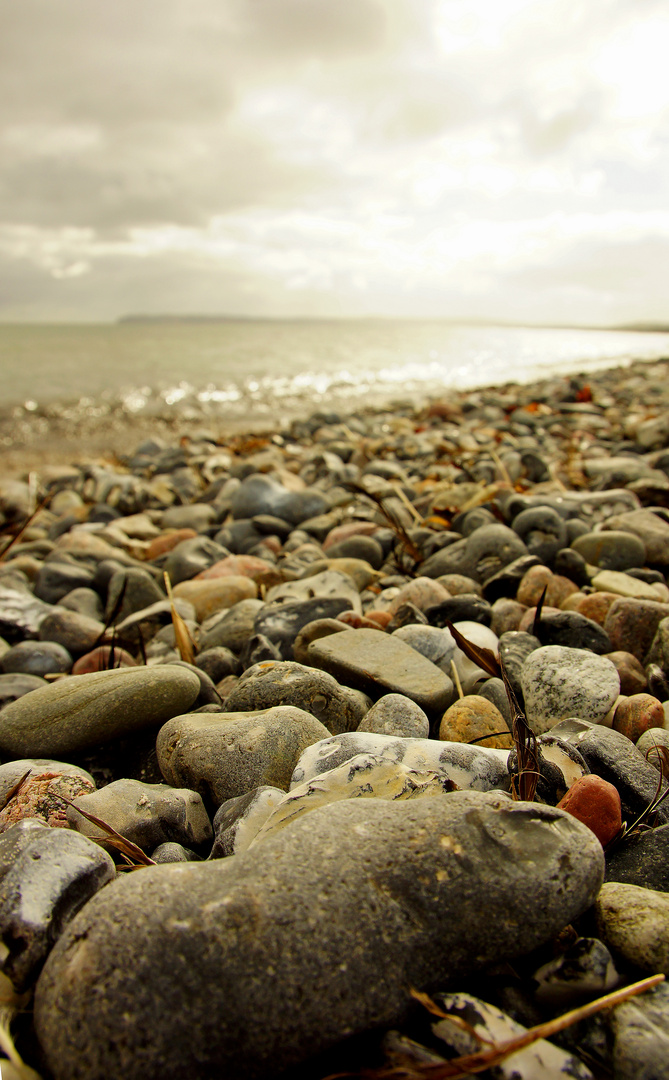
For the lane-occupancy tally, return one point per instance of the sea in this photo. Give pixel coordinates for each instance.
(234, 369)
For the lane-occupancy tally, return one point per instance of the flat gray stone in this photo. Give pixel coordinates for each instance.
(378, 663)
(83, 710)
(222, 755)
(317, 934)
(146, 814)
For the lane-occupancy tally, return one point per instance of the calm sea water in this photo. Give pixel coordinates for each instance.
(237, 368)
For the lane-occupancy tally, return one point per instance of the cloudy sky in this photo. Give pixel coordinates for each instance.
(490, 158)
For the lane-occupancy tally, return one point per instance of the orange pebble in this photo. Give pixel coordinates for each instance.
(596, 803)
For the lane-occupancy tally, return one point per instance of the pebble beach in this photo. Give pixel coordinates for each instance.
(231, 659)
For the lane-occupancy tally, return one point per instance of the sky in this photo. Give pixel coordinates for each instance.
(496, 159)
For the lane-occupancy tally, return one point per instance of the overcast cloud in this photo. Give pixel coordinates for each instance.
(495, 158)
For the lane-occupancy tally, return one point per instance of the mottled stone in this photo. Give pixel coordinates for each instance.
(237, 821)
(486, 1024)
(465, 766)
(145, 814)
(222, 755)
(281, 623)
(38, 788)
(474, 719)
(558, 682)
(21, 613)
(232, 629)
(287, 683)
(395, 714)
(83, 710)
(377, 663)
(46, 876)
(219, 1017)
(424, 592)
(640, 1039)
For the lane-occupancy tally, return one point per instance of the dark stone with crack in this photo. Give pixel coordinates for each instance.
(46, 876)
(279, 959)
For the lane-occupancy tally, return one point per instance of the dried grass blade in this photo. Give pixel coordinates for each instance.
(184, 641)
(116, 839)
(526, 746)
(26, 525)
(537, 613)
(485, 658)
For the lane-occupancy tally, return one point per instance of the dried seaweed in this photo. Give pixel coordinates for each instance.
(184, 641)
(537, 613)
(132, 854)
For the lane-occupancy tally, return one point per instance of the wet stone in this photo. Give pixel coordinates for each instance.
(46, 876)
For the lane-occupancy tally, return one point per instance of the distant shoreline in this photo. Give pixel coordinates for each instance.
(640, 327)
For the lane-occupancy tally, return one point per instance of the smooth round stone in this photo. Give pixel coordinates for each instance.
(216, 594)
(191, 557)
(171, 852)
(637, 714)
(634, 923)
(559, 682)
(629, 585)
(568, 563)
(514, 649)
(632, 624)
(167, 540)
(648, 743)
(235, 918)
(262, 494)
(542, 530)
(358, 547)
(14, 686)
(84, 710)
(75, 632)
(36, 658)
(475, 719)
(652, 530)
(198, 516)
(259, 570)
(231, 630)
(222, 755)
(573, 630)
(456, 584)
(287, 683)
(423, 592)
(359, 571)
(103, 658)
(631, 673)
(57, 579)
(85, 601)
(594, 606)
(611, 550)
(312, 631)
(482, 555)
(129, 591)
(596, 803)
(506, 615)
(394, 714)
(435, 643)
(539, 578)
(506, 581)
(145, 814)
(494, 690)
(217, 663)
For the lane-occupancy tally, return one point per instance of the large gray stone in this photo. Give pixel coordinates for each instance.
(250, 965)
(84, 710)
(222, 755)
(379, 663)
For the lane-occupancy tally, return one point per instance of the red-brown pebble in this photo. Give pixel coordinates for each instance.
(632, 675)
(596, 803)
(370, 621)
(596, 606)
(166, 541)
(637, 714)
(100, 659)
